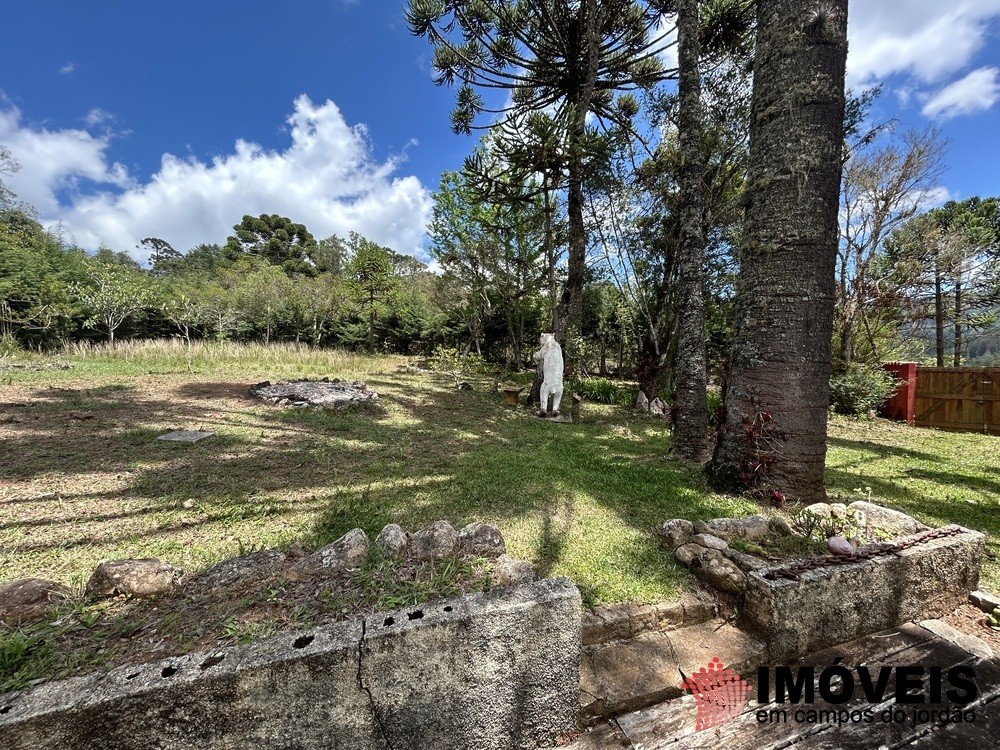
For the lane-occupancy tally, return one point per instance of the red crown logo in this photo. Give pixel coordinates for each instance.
(719, 694)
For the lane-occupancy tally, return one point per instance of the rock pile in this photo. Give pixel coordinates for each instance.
(335, 393)
(704, 546)
(34, 598)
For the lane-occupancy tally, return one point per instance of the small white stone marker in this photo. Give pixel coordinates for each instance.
(185, 436)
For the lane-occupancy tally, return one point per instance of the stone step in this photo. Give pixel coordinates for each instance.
(622, 621)
(624, 676)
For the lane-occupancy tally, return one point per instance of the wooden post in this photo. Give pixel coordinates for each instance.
(900, 406)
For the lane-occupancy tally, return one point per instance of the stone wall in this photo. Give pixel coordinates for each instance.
(836, 604)
(497, 670)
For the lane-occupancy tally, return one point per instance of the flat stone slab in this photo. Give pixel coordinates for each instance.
(626, 675)
(985, 600)
(185, 436)
(334, 393)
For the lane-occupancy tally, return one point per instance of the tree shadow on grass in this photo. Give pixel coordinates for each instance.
(872, 450)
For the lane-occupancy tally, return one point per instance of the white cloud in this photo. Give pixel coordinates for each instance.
(976, 92)
(922, 38)
(68, 68)
(666, 33)
(98, 116)
(55, 160)
(326, 179)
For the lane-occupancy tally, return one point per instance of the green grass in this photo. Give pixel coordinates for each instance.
(938, 477)
(90, 482)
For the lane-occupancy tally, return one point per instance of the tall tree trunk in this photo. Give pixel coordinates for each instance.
(690, 438)
(958, 319)
(774, 438)
(938, 315)
(571, 305)
(570, 309)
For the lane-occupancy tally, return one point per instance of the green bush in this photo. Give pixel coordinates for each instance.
(713, 403)
(452, 362)
(860, 388)
(600, 390)
(9, 345)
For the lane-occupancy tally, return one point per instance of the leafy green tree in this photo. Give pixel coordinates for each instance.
(163, 259)
(36, 277)
(329, 255)
(947, 262)
(276, 239)
(8, 165)
(318, 302)
(114, 293)
(203, 259)
(887, 180)
(179, 303)
(261, 293)
(370, 274)
(494, 251)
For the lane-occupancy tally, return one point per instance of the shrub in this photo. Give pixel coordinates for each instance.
(452, 362)
(600, 390)
(860, 388)
(9, 345)
(714, 406)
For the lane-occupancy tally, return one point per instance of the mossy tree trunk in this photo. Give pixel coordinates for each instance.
(690, 436)
(774, 437)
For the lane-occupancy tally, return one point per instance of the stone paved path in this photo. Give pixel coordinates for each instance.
(671, 725)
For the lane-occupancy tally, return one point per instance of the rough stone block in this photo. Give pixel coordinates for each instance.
(893, 522)
(349, 551)
(710, 541)
(433, 542)
(838, 603)
(254, 696)
(675, 532)
(30, 599)
(392, 541)
(146, 577)
(481, 539)
(752, 528)
(252, 566)
(495, 671)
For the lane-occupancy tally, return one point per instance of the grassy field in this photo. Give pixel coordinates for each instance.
(82, 477)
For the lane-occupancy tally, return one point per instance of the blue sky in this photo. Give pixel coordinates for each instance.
(174, 119)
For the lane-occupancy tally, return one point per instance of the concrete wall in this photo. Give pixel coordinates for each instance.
(497, 670)
(836, 604)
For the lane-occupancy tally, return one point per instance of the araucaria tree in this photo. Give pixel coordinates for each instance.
(774, 434)
(567, 56)
(277, 239)
(690, 438)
